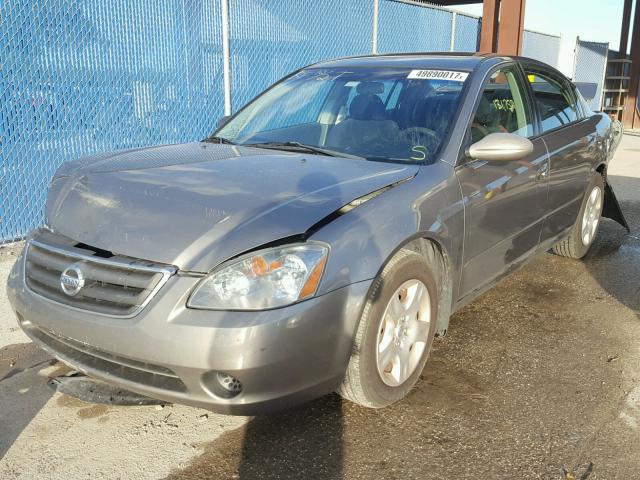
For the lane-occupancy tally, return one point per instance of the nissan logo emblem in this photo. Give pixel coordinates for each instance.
(72, 280)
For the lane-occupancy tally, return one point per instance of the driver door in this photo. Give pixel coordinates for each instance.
(505, 201)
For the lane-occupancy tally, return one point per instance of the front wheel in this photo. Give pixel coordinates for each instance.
(577, 244)
(395, 333)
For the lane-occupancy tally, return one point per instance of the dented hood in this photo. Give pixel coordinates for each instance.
(196, 205)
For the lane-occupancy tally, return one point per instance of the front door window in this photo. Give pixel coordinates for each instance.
(502, 108)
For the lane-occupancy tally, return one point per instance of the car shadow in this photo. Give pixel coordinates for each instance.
(23, 392)
(306, 442)
(608, 259)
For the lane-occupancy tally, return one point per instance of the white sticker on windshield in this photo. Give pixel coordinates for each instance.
(438, 75)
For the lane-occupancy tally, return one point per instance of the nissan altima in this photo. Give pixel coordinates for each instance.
(321, 237)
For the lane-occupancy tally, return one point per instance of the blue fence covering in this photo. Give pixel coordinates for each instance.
(467, 33)
(404, 27)
(78, 77)
(541, 46)
(270, 38)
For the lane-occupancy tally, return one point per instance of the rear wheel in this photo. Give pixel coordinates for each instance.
(395, 333)
(577, 244)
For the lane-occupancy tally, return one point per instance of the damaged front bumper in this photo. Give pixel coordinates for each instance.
(280, 357)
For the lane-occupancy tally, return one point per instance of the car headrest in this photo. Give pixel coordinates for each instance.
(436, 112)
(370, 88)
(485, 110)
(366, 107)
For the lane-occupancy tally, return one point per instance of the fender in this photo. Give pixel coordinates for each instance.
(611, 208)
(365, 238)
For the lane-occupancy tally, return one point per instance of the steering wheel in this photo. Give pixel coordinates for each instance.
(412, 133)
(478, 131)
(422, 136)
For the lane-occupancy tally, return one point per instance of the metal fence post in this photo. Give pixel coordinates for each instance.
(604, 78)
(557, 65)
(575, 58)
(452, 45)
(226, 77)
(374, 35)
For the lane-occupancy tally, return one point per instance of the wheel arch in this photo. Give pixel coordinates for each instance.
(431, 248)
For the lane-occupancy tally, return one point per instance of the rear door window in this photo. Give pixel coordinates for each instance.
(554, 99)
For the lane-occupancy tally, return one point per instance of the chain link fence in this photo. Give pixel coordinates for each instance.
(270, 38)
(78, 77)
(81, 77)
(590, 66)
(467, 33)
(541, 46)
(404, 27)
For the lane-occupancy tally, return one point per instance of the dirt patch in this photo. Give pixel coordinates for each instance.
(19, 357)
(11, 250)
(84, 410)
(286, 445)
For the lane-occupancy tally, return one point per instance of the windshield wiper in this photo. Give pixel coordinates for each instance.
(302, 147)
(218, 140)
(375, 158)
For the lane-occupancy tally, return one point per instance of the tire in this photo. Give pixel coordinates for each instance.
(366, 383)
(574, 245)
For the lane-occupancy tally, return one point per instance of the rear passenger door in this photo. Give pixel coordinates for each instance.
(505, 201)
(570, 140)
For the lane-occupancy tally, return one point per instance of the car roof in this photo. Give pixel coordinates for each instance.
(446, 60)
(465, 61)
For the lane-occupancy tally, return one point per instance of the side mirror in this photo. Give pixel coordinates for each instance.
(223, 121)
(501, 147)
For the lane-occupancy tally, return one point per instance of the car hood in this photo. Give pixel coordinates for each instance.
(198, 204)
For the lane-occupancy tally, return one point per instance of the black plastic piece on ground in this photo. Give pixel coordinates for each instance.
(611, 208)
(95, 391)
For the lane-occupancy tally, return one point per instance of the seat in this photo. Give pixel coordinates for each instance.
(438, 110)
(366, 123)
(493, 115)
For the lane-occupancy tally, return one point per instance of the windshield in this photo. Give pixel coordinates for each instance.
(394, 114)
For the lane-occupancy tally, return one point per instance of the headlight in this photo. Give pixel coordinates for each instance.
(265, 279)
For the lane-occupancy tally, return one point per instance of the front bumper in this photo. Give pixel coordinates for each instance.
(282, 357)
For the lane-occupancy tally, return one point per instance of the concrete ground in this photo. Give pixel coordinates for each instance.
(538, 378)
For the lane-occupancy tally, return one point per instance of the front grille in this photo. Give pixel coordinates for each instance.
(115, 286)
(80, 355)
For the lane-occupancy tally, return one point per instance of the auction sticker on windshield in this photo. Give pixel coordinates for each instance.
(438, 75)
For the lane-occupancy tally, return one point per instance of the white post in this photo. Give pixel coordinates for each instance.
(575, 57)
(226, 78)
(604, 77)
(452, 43)
(374, 35)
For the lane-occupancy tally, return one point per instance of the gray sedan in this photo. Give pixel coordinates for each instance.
(320, 239)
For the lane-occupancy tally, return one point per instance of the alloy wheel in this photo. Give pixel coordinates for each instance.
(403, 332)
(591, 216)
